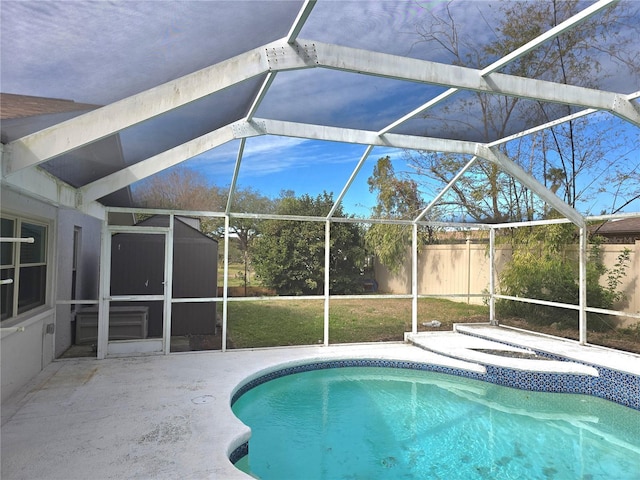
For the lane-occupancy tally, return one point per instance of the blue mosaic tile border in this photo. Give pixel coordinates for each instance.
(619, 387)
(348, 363)
(239, 452)
(613, 385)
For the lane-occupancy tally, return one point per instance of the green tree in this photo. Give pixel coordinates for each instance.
(289, 255)
(246, 230)
(544, 266)
(396, 199)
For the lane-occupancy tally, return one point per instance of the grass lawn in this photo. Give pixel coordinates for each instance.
(269, 323)
(236, 275)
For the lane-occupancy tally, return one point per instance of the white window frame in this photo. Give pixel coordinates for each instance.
(16, 264)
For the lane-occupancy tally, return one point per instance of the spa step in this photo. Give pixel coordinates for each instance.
(486, 352)
(571, 350)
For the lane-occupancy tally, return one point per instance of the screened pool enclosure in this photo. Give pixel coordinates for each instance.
(100, 100)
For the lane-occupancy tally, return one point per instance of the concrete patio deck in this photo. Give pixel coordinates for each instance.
(154, 417)
(159, 417)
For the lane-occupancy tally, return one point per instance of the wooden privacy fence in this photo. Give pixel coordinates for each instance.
(461, 272)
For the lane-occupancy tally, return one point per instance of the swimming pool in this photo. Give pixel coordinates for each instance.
(393, 423)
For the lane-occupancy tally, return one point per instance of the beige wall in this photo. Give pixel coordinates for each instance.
(631, 282)
(463, 270)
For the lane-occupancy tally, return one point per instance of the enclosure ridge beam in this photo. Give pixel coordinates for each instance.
(306, 53)
(516, 171)
(153, 165)
(264, 126)
(411, 69)
(102, 122)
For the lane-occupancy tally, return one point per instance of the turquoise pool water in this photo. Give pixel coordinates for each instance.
(385, 423)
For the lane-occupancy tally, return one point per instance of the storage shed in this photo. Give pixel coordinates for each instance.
(137, 267)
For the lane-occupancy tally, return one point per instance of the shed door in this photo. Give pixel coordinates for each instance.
(136, 290)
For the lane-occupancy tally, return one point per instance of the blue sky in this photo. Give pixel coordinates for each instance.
(272, 164)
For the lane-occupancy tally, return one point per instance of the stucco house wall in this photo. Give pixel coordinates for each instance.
(25, 346)
(87, 279)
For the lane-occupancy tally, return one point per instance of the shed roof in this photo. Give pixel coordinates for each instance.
(623, 226)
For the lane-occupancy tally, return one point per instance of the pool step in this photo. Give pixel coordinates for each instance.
(487, 352)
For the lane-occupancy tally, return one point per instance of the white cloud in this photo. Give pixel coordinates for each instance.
(268, 155)
(98, 52)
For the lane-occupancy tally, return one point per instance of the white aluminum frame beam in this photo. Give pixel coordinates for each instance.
(40, 184)
(523, 50)
(353, 176)
(259, 126)
(264, 88)
(442, 193)
(318, 132)
(553, 123)
(403, 68)
(234, 178)
(496, 156)
(263, 126)
(300, 20)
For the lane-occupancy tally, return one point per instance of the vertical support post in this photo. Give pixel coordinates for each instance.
(468, 269)
(225, 282)
(327, 263)
(492, 277)
(168, 286)
(104, 290)
(583, 286)
(414, 279)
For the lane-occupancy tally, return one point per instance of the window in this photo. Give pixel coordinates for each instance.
(24, 265)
